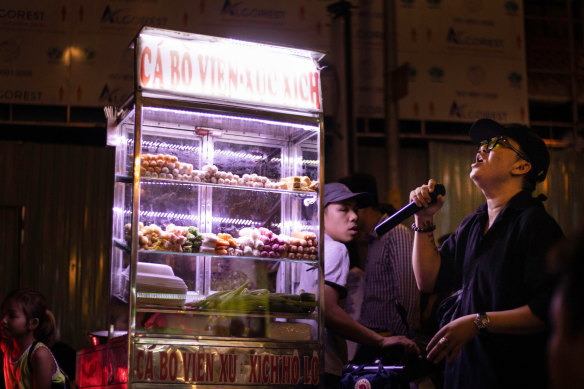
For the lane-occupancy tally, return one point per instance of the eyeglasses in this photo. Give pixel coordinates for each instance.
(503, 141)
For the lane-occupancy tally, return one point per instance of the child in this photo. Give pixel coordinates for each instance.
(27, 321)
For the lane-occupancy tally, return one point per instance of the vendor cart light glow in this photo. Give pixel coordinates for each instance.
(239, 154)
(205, 115)
(122, 375)
(216, 219)
(165, 145)
(223, 68)
(309, 201)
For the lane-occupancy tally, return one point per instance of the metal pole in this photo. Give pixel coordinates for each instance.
(391, 118)
(342, 9)
(574, 90)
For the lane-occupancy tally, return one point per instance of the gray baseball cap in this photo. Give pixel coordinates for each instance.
(335, 192)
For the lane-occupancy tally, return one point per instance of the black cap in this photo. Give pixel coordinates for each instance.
(335, 192)
(529, 142)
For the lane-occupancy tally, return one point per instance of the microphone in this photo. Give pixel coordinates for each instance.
(406, 212)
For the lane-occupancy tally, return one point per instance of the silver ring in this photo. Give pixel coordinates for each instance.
(443, 341)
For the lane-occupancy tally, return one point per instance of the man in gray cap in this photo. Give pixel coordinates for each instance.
(496, 337)
(340, 226)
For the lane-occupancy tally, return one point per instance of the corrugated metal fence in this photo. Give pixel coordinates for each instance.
(61, 196)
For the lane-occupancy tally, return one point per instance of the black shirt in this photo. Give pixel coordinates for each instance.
(501, 270)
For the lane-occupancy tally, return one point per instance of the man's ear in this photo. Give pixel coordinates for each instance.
(521, 168)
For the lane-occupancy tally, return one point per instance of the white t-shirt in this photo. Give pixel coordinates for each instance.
(336, 272)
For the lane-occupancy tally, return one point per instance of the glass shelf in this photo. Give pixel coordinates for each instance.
(145, 337)
(161, 181)
(164, 253)
(199, 312)
(123, 246)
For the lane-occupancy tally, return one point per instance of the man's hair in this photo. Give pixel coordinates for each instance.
(529, 180)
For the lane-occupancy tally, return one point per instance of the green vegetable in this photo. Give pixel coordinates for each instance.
(259, 300)
(307, 297)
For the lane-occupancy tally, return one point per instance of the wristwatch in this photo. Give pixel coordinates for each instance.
(482, 322)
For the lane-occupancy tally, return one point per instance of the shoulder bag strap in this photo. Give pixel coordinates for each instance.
(30, 350)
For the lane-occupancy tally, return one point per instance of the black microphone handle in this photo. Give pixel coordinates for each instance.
(406, 212)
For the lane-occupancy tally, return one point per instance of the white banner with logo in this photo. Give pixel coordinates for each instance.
(76, 52)
(466, 60)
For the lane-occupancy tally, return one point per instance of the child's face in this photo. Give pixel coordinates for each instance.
(340, 220)
(14, 321)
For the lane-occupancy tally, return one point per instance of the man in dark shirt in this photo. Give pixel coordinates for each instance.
(497, 257)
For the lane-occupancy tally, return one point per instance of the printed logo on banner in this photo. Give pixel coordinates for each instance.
(476, 75)
(434, 3)
(462, 39)
(9, 51)
(55, 54)
(515, 79)
(114, 96)
(463, 111)
(20, 95)
(473, 5)
(88, 54)
(511, 7)
(15, 17)
(238, 9)
(407, 3)
(122, 17)
(436, 74)
(412, 73)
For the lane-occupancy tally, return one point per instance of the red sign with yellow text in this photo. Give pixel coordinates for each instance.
(225, 365)
(229, 70)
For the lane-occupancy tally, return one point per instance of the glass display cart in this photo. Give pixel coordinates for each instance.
(216, 219)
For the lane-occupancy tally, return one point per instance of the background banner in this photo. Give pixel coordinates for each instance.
(75, 52)
(468, 55)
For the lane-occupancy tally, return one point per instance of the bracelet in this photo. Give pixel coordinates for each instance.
(418, 229)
